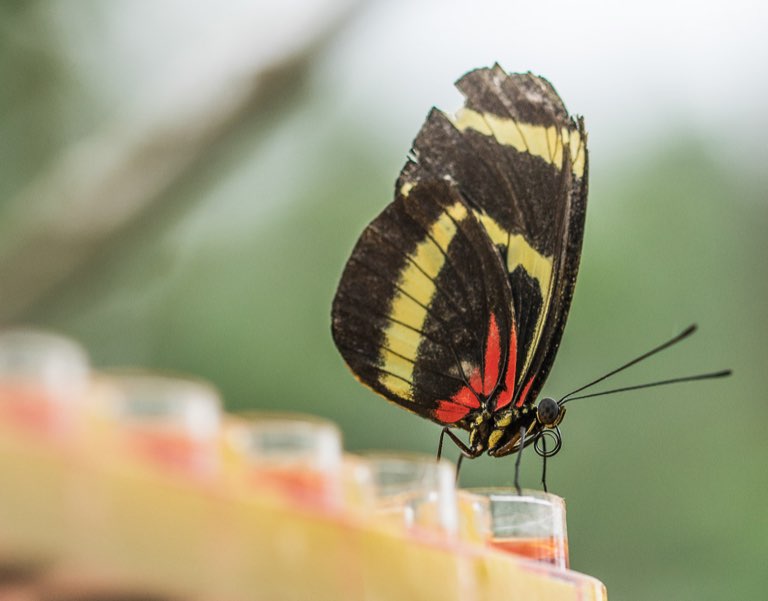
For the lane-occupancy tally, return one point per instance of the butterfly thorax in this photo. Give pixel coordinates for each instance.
(498, 433)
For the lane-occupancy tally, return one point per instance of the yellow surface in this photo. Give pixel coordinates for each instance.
(97, 508)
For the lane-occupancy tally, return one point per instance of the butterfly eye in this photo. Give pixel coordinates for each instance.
(548, 412)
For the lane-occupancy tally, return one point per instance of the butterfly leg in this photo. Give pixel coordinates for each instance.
(463, 448)
(440, 444)
(458, 467)
(517, 461)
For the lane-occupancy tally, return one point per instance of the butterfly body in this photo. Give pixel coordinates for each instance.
(499, 434)
(454, 300)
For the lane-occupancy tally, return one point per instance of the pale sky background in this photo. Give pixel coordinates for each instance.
(642, 74)
(631, 67)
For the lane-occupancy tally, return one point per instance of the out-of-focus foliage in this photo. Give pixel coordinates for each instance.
(667, 488)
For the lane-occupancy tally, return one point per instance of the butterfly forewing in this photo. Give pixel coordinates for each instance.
(520, 163)
(423, 313)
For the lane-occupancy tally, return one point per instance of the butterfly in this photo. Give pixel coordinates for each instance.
(453, 302)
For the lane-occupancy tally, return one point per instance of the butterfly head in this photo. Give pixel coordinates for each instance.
(548, 413)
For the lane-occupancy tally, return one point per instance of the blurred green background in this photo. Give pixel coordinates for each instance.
(181, 184)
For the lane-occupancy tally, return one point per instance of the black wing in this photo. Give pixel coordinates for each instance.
(520, 162)
(423, 312)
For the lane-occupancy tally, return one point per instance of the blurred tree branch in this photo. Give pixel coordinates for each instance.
(105, 186)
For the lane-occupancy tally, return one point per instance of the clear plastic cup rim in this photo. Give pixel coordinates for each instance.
(405, 457)
(161, 401)
(296, 438)
(502, 493)
(40, 357)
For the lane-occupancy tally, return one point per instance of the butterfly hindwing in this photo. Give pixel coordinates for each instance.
(412, 314)
(520, 163)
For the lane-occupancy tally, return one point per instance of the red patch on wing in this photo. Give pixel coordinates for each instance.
(505, 397)
(448, 412)
(467, 398)
(459, 405)
(475, 382)
(524, 394)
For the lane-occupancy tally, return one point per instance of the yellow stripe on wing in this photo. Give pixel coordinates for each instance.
(519, 253)
(416, 290)
(538, 140)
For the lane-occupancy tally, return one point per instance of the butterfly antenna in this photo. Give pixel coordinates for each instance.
(681, 336)
(709, 376)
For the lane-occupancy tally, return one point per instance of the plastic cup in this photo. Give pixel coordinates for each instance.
(409, 492)
(171, 422)
(42, 377)
(474, 517)
(295, 457)
(532, 524)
